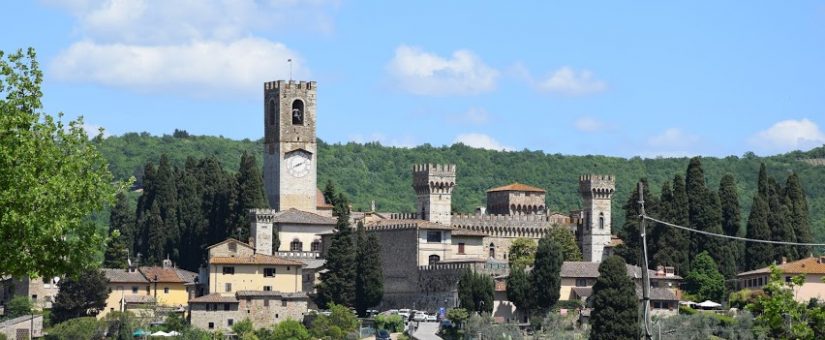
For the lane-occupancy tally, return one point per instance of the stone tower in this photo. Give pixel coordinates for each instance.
(597, 192)
(290, 149)
(433, 184)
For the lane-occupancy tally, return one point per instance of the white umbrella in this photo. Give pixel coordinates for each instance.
(159, 333)
(174, 333)
(709, 304)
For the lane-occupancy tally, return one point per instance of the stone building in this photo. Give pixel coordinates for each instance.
(515, 199)
(42, 291)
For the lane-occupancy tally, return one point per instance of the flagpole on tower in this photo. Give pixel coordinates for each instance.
(290, 68)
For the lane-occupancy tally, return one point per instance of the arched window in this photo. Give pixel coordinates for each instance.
(271, 112)
(298, 112)
(601, 220)
(315, 246)
(492, 250)
(296, 245)
(434, 259)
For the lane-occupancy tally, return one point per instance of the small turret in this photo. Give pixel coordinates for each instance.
(433, 185)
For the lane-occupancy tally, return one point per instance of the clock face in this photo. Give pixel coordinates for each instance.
(298, 164)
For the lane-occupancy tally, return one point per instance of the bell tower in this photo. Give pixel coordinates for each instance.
(597, 192)
(290, 148)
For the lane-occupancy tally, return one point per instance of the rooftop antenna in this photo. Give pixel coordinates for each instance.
(290, 68)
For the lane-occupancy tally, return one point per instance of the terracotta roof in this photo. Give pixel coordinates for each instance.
(517, 187)
(262, 293)
(214, 298)
(254, 259)
(168, 275)
(118, 275)
(302, 217)
(810, 265)
(582, 269)
(231, 240)
(320, 201)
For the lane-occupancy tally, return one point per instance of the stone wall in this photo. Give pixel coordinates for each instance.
(266, 311)
(200, 317)
(399, 251)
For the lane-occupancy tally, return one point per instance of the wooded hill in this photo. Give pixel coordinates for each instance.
(371, 171)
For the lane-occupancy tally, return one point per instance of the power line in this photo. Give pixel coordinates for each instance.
(745, 239)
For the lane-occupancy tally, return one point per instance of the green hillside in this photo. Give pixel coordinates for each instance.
(375, 172)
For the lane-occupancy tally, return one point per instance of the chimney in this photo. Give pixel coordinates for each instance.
(784, 260)
(167, 263)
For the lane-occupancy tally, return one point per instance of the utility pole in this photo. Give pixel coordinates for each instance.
(645, 274)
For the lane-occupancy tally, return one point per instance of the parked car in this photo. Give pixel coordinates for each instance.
(420, 317)
(446, 323)
(432, 318)
(382, 334)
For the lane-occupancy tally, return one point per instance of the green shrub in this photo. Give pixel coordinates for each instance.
(78, 328)
(683, 309)
(290, 329)
(392, 323)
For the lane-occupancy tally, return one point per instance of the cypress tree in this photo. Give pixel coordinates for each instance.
(615, 308)
(475, 292)
(115, 255)
(250, 194)
(329, 192)
(780, 223)
(546, 274)
(216, 198)
(518, 290)
(798, 204)
(167, 201)
(678, 211)
(731, 215)
(758, 255)
(121, 218)
(671, 243)
(369, 277)
(338, 282)
(630, 230)
(705, 213)
(144, 205)
(191, 220)
(762, 182)
(157, 234)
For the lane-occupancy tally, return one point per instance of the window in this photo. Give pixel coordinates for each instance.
(296, 245)
(601, 220)
(461, 247)
(225, 306)
(165, 290)
(787, 279)
(229, 270)
(34, 297)
(433, 236)
(227, 287)
(267, 288)
(271, 110)
(266, 301)
(229, 322)
(297, 112)
(581, 282)
(277, 316)
(233, 247)
(434, 259)
(315, 246)
(492, 250)
(134, 289)
(283, 303)
(269, 272)
(211, 325)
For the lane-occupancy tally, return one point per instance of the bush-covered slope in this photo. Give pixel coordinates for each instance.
(375, 172)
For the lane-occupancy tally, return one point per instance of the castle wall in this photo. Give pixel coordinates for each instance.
(399, 249)
(473, 248)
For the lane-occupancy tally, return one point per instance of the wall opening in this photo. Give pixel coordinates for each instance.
(297, 112)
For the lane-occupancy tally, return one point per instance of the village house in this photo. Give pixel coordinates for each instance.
(813, 268)
(142, 290)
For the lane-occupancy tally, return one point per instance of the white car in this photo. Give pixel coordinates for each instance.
(432, 318)
(420, 317)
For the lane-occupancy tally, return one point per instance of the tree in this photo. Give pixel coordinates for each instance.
(546, 274)
(156, 240)
(250, 193)
(369, 276)
(705, 214)
(475, 292)
(565, 239)
(338, 282)
(777, 311)
(757, 254)
(457, 315)
(522, 253)
(780, 223)
(116, 253)
(630, 229)
(704, 279)
(337, 325)
(671, 243)
(79, 328)
(18, 306)
(243, 327)
(84, 295)
(290, 329)
(519, 289)
(614, 302)
(166, 198)
(799, 216)
(122, 218)
(52, 178)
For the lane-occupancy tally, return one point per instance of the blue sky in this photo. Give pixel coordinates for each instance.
(632, 78)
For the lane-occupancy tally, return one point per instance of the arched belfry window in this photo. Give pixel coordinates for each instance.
(271, 114)
(298, 112)
(434, 259)
(601, 220)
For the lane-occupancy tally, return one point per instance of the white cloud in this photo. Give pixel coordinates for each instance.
(206, 47)
(482, 141)
(424, 73)
(567, 81)
(240, 65)
(673, 138)
(589, 124)
(789, 135)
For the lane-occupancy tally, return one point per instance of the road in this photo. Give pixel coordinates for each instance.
(426, 331)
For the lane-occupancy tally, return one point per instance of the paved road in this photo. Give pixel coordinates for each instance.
(426, 331)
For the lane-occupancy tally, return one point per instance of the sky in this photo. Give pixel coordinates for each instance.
(640, 78)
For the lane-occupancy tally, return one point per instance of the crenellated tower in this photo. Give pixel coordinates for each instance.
(290, 148)
(594, 230)
(433, 184)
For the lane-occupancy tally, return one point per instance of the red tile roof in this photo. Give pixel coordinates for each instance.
(517, 187)
(254, 259)
(167, 275)
(810, 265)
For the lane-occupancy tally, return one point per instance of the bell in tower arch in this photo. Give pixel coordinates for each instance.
(298, 112)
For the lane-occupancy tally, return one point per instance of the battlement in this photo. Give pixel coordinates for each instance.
(433, 178)
(434, 169)
(404, 216)
(392, 227)
(597, 186)
(262, 215)
(290, 84)
(597, 178)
